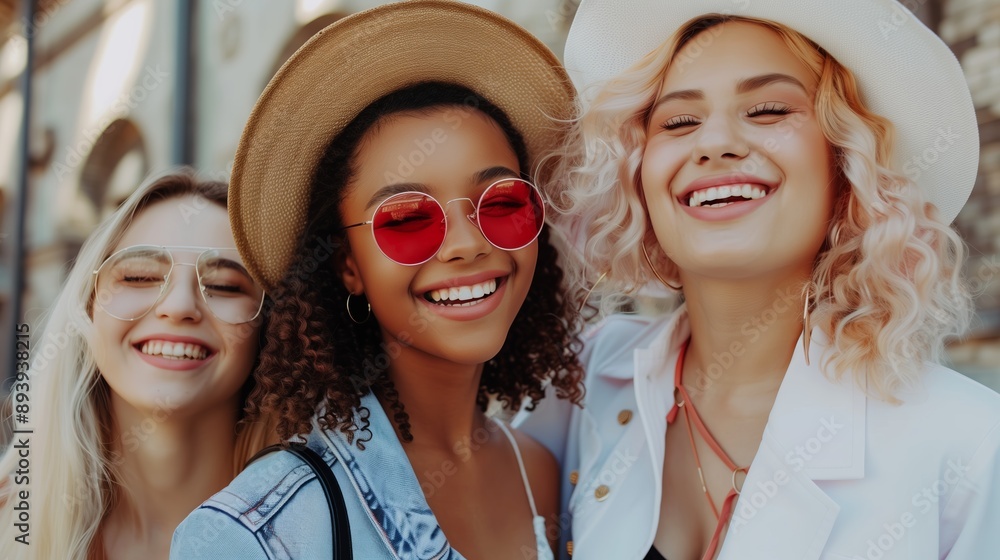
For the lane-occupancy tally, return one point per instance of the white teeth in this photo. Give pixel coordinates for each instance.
(705, 196)
(464, 293)
(175, 350)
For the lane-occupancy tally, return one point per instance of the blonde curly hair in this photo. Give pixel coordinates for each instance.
(886, 285)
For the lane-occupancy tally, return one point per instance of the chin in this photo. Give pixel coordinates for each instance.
(472, 354)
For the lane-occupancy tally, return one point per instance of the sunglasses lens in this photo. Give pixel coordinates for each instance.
(130, 282)
(230, 292)
(409, 227)
(511, 214)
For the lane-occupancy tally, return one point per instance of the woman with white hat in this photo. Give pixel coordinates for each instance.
(381, 194)
(790, 169)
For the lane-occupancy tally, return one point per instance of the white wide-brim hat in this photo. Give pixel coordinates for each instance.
(905, 72)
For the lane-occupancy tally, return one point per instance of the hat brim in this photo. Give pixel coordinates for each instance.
(350, 64)
(905, 72)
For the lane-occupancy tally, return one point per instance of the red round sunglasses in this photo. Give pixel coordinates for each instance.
(409, 227)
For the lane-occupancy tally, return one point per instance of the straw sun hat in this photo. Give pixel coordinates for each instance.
(350, 64)
(906, 73)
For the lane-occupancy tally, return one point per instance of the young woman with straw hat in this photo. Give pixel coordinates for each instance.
(137, 383)
(381, 193)
(790, 169)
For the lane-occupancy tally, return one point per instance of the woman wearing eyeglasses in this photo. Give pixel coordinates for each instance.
(410, 157)
(137, 383)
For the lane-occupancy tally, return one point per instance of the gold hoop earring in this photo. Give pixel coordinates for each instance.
(351, 314)
(653, 268)
(806, 327)
(583, 303)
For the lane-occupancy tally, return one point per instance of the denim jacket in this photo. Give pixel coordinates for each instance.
(275, 508)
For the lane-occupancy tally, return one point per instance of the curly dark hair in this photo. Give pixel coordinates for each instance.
(315, 351)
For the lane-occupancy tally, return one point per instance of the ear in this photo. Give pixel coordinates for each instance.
(351, 275)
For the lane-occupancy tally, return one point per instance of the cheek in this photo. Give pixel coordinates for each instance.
(104, 340)
(527, 258)
(661, 162)
(815, 160)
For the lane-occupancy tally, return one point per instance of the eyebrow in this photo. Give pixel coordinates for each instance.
(487, 175)
(745, 85)
(223, 262)
(491, 174)
(757, 82)
(395, 188)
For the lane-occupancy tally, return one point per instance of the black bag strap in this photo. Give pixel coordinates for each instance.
(339, 524)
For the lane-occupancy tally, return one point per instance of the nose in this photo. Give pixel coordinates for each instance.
(719, 138)
(181, 300)
(463, 240)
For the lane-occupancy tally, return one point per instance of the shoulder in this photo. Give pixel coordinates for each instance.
(963, 405)
(957, 390)
(263, 487)
(952, 400)
(615, 337)
(542, 470)
(947, 414)
(256, 499)
(539, 462)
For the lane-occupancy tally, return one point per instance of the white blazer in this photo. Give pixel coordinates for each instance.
(837, 476)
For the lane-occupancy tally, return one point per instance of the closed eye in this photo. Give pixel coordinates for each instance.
(679, 122)
(770, 108)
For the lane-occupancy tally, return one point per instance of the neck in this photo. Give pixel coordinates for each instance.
(167, 465)
(743, 333)
(439, 396)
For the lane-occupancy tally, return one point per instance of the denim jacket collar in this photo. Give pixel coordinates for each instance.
(385, 484)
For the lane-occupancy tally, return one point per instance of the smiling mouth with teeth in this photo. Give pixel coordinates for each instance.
(174, 350)
(717, 197)
(464, 295)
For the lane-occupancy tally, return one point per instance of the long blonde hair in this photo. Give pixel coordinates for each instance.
(886, 285)
(73, 482)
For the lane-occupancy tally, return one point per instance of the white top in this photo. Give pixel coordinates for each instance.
(838, 475)
(537, 521)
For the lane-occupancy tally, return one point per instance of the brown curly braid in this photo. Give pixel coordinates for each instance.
(315, 351)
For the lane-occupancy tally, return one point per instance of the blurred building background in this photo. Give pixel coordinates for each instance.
(125, 87)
